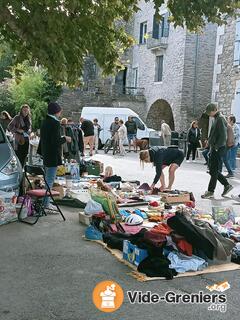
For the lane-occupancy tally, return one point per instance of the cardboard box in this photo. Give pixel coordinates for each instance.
(84, 218)
(132, 253)
(175, 198)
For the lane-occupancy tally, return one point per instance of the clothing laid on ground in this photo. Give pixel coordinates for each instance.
(185, 228)
(161, 156)
(182, 263)
(157, 267)
(113, 178)
(87, 128)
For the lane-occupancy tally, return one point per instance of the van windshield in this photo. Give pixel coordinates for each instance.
(2, 136)
(139, 123)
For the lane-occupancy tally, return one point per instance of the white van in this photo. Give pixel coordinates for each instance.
(106, 116)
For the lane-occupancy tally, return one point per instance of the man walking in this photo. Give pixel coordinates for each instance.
(217, 143)
(166, 133)
(131, 133)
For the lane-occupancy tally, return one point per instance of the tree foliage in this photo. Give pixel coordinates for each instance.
(6, 60)
(33, 86)
(58, 34)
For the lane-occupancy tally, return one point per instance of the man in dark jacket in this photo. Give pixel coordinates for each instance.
(88, 130)
(50, 145)
(217, 143)
(131, 133)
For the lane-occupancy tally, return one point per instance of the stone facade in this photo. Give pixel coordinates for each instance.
(186, 86)
(188, 62)
(226, 80)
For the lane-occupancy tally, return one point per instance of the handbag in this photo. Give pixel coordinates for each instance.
(20, 139)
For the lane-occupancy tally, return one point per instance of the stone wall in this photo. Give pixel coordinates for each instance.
(226, 74)
(198, 73)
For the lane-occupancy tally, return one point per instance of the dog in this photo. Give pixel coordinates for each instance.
(142, 144)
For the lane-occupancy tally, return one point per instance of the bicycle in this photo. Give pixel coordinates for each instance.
(109, 143)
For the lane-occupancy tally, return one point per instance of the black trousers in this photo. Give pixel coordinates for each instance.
(192, 147)
(22, 152)
(215, 164)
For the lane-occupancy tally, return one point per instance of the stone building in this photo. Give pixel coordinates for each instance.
(168, 73)
(226, 79)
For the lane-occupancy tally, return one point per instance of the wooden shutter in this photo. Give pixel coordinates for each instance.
(165, 22)
(237, 44)
(155, 32)
(141, 33)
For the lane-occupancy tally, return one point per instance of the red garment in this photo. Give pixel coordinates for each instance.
(185, 247)
(162, 228)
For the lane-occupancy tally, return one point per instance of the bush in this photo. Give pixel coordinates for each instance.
(32, 85)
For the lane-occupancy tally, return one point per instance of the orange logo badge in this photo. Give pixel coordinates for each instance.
(108, 296)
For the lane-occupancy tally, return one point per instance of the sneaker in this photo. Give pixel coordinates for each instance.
(236, 198)
(51, 207)
(187, 161)
(229, 175)
(227, 189)
(96, 152)
(207, 195)
(194, 161)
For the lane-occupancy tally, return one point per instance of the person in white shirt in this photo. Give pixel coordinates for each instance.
(122, 135)
(97, 129)
(166, 133)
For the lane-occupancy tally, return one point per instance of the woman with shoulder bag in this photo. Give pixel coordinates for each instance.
(20, 126)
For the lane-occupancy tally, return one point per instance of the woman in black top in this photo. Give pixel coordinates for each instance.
(193, 138)
(162, 157)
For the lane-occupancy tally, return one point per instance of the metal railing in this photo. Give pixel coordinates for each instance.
(153, 43)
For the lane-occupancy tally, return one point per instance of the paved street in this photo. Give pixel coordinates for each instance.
(48, 271)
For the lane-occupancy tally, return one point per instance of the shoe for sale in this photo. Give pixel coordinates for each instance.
(207, 195)
(229, 175)
(236, 198)
(227, 189)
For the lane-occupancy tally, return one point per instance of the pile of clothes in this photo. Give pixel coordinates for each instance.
(179, 244)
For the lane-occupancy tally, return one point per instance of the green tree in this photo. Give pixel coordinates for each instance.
(6, 60)
(59, 34)
(33, 86)
(6, 102)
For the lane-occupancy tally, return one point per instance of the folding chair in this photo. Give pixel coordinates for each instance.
(38, 195)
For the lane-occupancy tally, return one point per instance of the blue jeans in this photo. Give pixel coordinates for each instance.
(232, 157)
(50, 175)
(226, 161)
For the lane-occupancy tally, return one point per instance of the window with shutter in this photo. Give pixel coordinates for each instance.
(155, 33)
(237, 45)
(165, 25)
(143, 33)
(159, 69)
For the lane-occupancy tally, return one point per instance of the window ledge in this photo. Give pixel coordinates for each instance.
(157, 82)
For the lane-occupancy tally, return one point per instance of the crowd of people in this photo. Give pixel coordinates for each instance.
(62, 138)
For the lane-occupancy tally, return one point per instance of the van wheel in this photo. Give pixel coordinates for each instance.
(107, 145)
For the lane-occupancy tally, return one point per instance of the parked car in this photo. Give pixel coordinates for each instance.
(10, 167)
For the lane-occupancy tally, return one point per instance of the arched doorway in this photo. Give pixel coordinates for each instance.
(160, 110)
